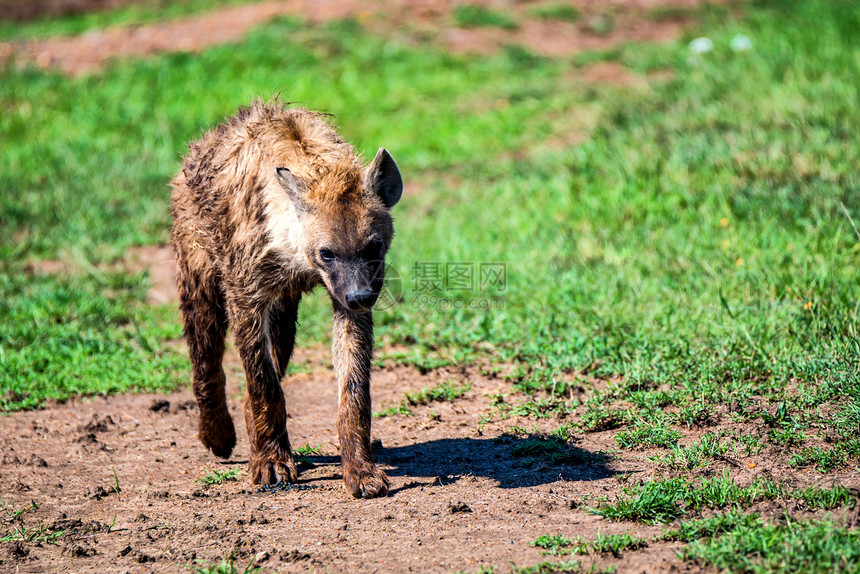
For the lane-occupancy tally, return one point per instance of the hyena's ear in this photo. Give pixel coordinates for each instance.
(291, 184)
(383, 179)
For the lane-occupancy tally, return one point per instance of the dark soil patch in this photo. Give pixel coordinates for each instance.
(21, 10)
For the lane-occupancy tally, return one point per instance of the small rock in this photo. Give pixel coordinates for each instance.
(97, 424)
(36, 460)
(292, 556)
(184, 406)
(87, 438)
(83, 552)
(18, 550)
(160, 406)
(99, 492)
(459, 507)
(143, 558)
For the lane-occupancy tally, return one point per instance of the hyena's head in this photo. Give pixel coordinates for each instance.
(346, 227)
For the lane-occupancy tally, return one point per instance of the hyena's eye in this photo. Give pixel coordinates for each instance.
(326, 255)
(373, 250)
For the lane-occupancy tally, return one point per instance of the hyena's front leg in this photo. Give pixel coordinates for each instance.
(271, 457)
(205, 327)
(282, 331)
(353, 351)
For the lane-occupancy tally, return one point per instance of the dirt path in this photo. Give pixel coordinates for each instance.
(627, 22)
(458, 497)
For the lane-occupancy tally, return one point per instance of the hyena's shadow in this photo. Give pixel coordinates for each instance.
(512, 462)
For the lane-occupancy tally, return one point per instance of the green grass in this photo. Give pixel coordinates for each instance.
(647, 434)
(11, 513)
(614, 544)
(218, 476)
(226, 566)
(474, 16)
(664, 500)
(553, 448)
(39, 533)
(539, 448)
(304, 452)
(443, 391)
(88, 335)
(556, 544)
(693, 530)
(440, 392)
(736, 542)
(756, 546)
(670, 13)
(554, 11)
(398, 409)
(823, 459)
(549, 568)
(701, 453)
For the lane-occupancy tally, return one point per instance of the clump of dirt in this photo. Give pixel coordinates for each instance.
(613, 73)
(602, 25)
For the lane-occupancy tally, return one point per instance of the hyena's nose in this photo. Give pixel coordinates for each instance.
(360, 299)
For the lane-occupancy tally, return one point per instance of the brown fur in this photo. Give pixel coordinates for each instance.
(269, 205)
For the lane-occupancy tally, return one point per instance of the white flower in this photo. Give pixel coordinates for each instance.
(701, 45)
(740, 43)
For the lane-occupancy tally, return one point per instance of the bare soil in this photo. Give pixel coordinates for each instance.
(458, 499)
(625, 21)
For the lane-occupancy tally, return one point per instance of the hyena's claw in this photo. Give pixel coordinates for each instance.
(267, 471)
(217, 432)
(367, 484)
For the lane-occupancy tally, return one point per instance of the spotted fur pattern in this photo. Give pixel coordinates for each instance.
(269, 205)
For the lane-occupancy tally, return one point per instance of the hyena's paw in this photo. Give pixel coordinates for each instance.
(217, 432)
(365, 481)
(273, 469)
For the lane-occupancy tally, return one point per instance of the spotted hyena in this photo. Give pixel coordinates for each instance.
(268, 205)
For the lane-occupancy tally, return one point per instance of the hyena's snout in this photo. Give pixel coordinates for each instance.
(361, 299)
(363, 285)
